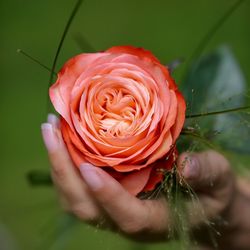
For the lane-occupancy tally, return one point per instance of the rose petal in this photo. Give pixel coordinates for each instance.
(140, 52)
(60, 91)
(135, 181)
(157, 173)
(180, 119)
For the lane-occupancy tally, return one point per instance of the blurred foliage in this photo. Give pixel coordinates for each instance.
(215, 83)
(170, 29)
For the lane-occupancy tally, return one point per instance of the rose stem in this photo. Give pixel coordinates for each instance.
(34, 60)
(240, 109)
(199, 137)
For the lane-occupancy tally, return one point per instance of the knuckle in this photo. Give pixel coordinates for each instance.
(217, 162)
(59, 171)
(157, 215)
(138, 223)
(220, 204)
(79, 212)
(225, 166)
(132, 227)
(110, 197)
(83, 213)
(224, 170)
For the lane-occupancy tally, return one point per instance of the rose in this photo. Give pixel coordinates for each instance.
(120, 110)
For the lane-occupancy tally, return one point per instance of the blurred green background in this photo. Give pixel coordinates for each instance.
(170, 29)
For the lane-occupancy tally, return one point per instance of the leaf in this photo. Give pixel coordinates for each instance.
(215, 82)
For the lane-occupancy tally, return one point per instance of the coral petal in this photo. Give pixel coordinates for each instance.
(134, 182)
(140, 52)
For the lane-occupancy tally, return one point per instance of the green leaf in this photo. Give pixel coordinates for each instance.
(215, 82)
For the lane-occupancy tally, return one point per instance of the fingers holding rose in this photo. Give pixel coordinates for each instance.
(120, 116)
(73, 191)
(96, 197)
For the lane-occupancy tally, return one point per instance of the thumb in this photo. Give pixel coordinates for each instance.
(210, 175)
(206, 171)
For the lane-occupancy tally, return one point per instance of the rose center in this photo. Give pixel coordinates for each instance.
(118, 109)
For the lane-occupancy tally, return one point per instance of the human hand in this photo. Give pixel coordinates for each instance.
(95, 197)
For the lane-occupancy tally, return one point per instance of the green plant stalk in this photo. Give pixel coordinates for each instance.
(209, 35)
(66, 29)
(20, 51)
(239, 109)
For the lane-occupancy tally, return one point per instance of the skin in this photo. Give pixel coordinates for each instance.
(95, 197)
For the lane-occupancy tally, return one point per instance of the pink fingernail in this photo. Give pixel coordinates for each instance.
(49, 137)
(53, 120)
(190, 170)
(91, 177)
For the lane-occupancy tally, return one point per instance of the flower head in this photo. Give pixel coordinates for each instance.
(120, 110)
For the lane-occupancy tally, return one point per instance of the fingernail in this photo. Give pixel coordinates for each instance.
(90, 176)
(53, 120)
(190, 170)
(49, 137)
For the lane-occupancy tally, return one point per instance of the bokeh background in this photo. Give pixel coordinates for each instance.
(30, 217)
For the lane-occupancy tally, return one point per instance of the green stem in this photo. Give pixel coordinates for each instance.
(35, 60)
(199, 137)
(208, 36)
(66, 29)
(239, 109)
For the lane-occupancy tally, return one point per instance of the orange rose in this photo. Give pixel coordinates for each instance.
(122, 111)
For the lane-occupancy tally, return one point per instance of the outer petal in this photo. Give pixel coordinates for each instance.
(60, 92)
(135, 181)
(146, 55)
(76, 156)
(180, 119)
(157, 173)
(140, 52)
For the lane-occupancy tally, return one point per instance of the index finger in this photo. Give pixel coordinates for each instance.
(132, 215)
